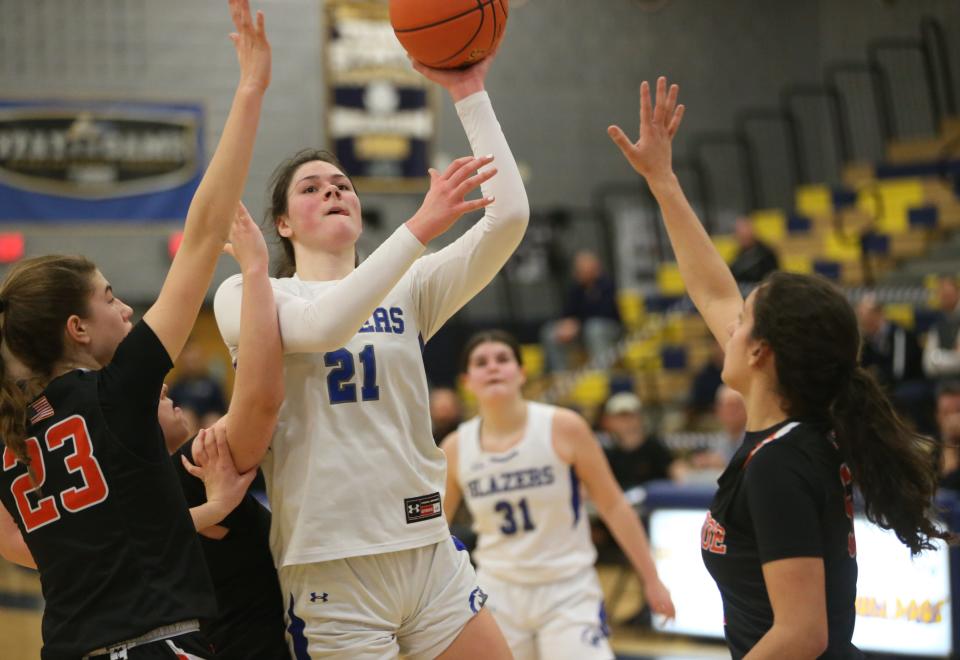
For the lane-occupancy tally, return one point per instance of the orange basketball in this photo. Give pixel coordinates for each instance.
(447, 34)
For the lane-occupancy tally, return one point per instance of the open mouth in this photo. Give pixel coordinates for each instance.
(336, 210)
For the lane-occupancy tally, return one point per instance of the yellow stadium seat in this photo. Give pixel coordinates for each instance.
(842, 248)
(770, 225)
(797, 263)
(900, 313)
(669, 282)
(591, 389)
(533, 359)
(814, 200)
(630, 304)
(895, 198)
(643, 354)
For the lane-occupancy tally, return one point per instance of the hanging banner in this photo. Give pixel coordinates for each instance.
(381, 114)
(64, 160)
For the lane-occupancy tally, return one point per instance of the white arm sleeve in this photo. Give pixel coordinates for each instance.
(445, 281)
(334, 316)
(939, 362)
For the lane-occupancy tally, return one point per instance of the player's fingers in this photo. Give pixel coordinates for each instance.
(646, 110)
(473, 205)
(261, 24)
(659, 106)
(191, 468)
(620, 139)
(228, 249)
(456, 165)
(671, 101)
(475, 182)
(468, 169)
(675, 122)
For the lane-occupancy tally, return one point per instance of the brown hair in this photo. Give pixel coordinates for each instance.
(812, 330)
(496, 336)
(279, 185)
(37, 297)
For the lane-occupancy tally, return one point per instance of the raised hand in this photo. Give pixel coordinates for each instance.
(651, 155)
(246, 244)
(253, 49)
(460, 83)
(225, 487)
(445, 203)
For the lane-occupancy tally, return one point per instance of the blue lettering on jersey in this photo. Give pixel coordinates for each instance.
(385, 321)
(510, 481)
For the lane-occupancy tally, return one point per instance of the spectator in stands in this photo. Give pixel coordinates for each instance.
(446, 413)
(590, 315)
(948, 433)
(941, 353)
(893, 354)
(755, 259)
(703, 389)
(196, 391)
(634, 455)
(731, 413)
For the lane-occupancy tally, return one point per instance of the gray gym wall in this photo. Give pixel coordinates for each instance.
(567, 68)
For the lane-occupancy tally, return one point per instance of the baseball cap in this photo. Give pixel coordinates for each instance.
(622, 403)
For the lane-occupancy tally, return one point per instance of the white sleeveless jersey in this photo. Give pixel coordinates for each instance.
(526, 505)
(353, 468)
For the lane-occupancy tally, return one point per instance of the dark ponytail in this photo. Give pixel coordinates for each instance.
(892, 466)
(812, 330)
(13, 413)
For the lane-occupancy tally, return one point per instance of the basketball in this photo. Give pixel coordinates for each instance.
(448, 34)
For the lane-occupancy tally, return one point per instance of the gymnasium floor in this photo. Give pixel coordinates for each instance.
(20, 605)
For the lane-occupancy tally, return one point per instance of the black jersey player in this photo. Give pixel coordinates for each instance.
(779, 537)
(86, 475)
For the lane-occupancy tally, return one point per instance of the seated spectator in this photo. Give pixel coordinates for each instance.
(941, 353)
(948, 433)
(894, 356)
(755, 259)
(634, 455)
(731, 413)
(196, 391)
(446, 413)
(590, 315)
(703, 388)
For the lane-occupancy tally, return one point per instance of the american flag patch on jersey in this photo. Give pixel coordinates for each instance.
(424, 507)
(41, 410)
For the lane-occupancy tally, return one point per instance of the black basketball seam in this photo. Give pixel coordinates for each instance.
(446, 20)
(493, 39)
(505, 12)
(480, 6)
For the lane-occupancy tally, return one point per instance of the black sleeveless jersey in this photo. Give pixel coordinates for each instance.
(249, 622)
(786, 493)
(107, 522)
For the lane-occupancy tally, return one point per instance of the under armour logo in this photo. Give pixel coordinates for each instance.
(413, 509)
(314, 597)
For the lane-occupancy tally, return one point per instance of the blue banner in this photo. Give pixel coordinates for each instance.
(72, 160)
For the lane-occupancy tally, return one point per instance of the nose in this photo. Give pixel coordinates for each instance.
(127, 311)
(331, 191)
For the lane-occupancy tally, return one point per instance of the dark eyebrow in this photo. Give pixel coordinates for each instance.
(333, 177)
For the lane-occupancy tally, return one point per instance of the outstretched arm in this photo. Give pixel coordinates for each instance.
(258, 387)
(447, 280)
(307, 325)
(208, 221)
(574, 441)
(224, 485)
(705, 274)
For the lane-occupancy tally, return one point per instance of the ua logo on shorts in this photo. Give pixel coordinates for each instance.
(477, 599)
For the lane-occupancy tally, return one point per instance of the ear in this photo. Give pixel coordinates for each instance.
(759, 354)
(283, 228)
(76, 330)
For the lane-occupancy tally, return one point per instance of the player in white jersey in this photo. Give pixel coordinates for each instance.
(366, 562)
(519, 466)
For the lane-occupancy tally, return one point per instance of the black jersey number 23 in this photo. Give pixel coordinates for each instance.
(81, 460)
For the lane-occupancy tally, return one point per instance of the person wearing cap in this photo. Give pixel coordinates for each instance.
(635, 456)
